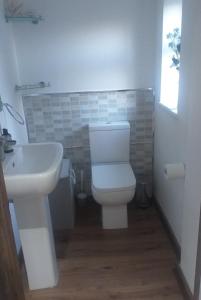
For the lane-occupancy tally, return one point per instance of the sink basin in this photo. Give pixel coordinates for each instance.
(32, 169)
(31, 172)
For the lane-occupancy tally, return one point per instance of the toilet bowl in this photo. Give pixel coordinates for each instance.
(113, 180)
(113, 186)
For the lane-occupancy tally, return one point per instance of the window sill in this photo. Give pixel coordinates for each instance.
(168, 110)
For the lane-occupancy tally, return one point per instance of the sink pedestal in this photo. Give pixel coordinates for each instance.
(33, 217)
(32, 172)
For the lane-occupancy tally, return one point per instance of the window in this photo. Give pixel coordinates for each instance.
(172, 17)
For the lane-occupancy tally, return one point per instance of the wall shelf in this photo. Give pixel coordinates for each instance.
(29, 18)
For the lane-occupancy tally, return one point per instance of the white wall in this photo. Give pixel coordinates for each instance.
(178, 139)
(88, 45)
(8, 79)
(191, 91)
(169, 148)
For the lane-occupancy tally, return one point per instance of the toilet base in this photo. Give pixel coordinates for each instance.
(114, 217)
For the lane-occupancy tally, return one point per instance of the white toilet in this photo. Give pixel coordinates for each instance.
(113, 180)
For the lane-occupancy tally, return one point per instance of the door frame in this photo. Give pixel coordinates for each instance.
(197, 281)
(11, 286)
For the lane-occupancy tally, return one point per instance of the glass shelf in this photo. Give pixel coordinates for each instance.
(33, 19)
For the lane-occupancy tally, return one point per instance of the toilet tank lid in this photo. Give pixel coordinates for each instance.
(109, 126)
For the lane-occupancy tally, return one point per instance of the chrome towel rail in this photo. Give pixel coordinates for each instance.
(38, 85)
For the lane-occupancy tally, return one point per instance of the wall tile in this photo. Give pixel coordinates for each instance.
(64, 118)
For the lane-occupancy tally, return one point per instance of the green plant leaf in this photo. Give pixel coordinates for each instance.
(175, 61)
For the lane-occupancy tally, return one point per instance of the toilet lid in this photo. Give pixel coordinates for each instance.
(113, 177)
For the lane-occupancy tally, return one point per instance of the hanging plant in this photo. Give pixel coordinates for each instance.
(174, 44)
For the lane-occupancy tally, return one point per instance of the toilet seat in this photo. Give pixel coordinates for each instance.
(113, 187)
(108, 178)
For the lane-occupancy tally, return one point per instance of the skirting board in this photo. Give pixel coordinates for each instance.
(187, 294)
(169, 230)
(178, 271)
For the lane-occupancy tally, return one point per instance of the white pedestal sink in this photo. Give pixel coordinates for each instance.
(31, 172)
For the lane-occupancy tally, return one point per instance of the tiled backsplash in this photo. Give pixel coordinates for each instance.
(64, 118)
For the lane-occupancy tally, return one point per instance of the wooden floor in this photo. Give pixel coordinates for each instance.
(95, 264)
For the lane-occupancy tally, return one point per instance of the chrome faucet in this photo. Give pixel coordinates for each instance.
(8, 142)
(5, 147)
(8, 146)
